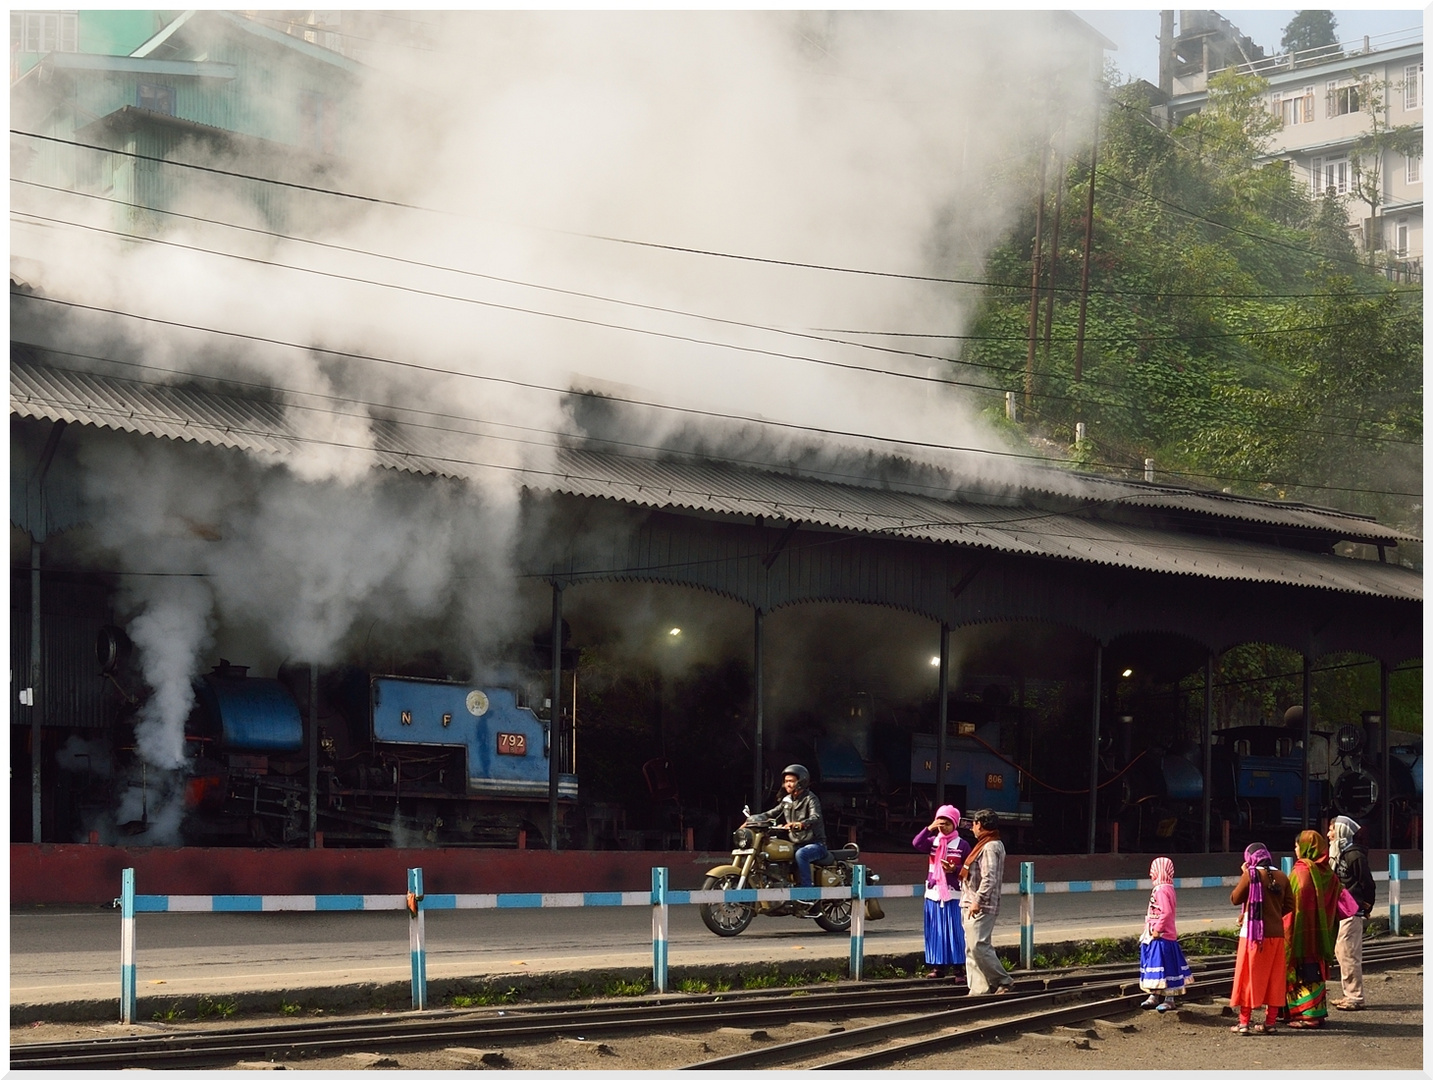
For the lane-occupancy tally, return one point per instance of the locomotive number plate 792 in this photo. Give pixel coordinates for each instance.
(512, 742)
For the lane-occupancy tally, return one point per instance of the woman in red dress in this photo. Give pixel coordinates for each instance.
(1259, 966)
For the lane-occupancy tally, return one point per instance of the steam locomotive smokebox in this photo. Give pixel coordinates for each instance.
(247, 714)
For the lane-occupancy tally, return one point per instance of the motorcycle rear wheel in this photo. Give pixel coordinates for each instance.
(726, 919)
(836, 918)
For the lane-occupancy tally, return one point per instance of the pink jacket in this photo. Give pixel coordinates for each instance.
(1160, 919)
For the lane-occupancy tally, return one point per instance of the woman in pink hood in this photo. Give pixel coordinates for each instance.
(1163, 970)
(944, 938)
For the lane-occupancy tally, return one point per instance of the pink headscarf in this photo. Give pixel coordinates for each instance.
(1161, 872)
(942, 845)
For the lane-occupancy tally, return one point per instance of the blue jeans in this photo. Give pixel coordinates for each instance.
(805, 856)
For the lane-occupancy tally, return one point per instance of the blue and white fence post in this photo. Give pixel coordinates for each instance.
(417, 952)
(126, 948)
(1286, 864)
(1395, 891)
(659, 929)
(858, 919)
(1027, 915)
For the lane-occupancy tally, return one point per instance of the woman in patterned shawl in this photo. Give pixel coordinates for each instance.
(1310, 929)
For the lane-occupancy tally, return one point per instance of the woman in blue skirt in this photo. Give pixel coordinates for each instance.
(1163, 970)
(944, 938)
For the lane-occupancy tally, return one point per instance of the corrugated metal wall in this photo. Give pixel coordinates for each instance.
(72, 614)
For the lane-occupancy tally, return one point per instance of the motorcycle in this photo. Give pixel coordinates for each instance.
(763, 859)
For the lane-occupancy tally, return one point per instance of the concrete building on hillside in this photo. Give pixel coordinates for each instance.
(1351, 116)
(113, 105)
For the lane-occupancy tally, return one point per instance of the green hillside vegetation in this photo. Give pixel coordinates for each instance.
(1234, 333)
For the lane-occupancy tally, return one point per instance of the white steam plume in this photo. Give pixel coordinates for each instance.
(172, 631)
(880, 141)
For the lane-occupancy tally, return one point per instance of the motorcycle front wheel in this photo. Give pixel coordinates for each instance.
(727, 919)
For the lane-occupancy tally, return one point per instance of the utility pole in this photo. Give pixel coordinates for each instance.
(1054, 254)
(1089, 243)
(1035, 284)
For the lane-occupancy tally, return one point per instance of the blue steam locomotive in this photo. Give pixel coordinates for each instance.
(400, 761)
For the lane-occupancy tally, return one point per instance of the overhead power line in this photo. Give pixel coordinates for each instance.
(686, 410)
(711, 253)
(797, 357)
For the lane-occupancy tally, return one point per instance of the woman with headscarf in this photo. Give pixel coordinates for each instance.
(1350, 862)
(944, 938)
(1163, 970)
(1310, 928)
(1264, 896)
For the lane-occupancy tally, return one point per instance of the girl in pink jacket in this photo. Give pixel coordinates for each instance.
(1163, 970)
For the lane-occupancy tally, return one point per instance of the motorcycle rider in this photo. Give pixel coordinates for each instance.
(800, 809)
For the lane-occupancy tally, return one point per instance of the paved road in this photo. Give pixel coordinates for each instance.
(74, 955)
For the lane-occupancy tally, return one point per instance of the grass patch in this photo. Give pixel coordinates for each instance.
(290, 1008)
(626, 988)
(1210, 943)
(484, 998)
(885, 971)
(761, 980)
(170, 1015)
(209, 1009)
(1104, 951)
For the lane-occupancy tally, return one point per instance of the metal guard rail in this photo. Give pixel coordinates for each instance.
(659, 897)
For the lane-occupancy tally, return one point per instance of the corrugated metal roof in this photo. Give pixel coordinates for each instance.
(1067, 530)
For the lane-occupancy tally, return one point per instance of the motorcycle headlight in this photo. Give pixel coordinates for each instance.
(743, 838)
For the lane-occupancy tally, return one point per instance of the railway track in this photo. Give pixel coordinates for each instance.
(945, 1010)
(987, 1017)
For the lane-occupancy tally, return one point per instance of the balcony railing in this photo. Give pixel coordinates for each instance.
(1405, 271)
(1272, 65)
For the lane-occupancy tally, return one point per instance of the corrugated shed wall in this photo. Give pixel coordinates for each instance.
(72, 614)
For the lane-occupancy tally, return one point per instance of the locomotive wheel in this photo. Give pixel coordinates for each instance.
(837, 916)
(725, 919)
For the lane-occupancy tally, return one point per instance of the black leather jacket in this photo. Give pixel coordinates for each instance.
(804, 807)
(1357, 878)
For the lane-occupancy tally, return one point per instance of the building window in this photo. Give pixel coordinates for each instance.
(44, 31)
(1413, 86)
(1400, 241)
(1329, 175)
(1415, 170)
(156, 98)
(1342, 99)
(1298, 109)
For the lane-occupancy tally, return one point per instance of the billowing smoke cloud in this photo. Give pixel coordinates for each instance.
(890, 142)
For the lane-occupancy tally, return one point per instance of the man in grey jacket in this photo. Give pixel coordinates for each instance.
(980, 903)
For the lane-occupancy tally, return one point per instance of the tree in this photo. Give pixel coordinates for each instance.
(1234, 334)
(1309, 30)
(1370, 149)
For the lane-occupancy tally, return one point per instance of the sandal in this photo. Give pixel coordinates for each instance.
(1348, 1006)
(1268, 1029)
(1240, 1029)
(1305, 1025)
